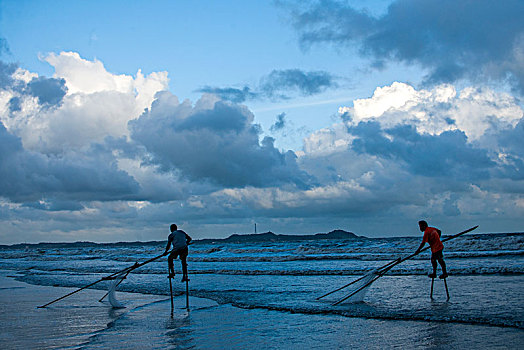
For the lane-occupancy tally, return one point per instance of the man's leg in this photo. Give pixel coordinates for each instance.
(440, 259)
(434, 264)
(183, 259)
(170, 264)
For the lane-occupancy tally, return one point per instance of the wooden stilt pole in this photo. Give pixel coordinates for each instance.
(187, 294)
(431, 293)
(446, 285)
(171, 292)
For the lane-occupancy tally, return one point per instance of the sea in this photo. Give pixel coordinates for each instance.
(265, 294)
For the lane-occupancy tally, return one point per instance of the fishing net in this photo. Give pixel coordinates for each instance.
(359, 296)
(112, 288)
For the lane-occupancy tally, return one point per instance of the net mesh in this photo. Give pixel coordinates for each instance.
(112, 288)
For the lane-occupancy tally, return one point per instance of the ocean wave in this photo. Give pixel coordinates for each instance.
(469, 246)
(363, 313)
(204, 258)
(357, 272)
(363, 257)
(161, 270)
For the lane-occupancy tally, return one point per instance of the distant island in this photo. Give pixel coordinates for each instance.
(234, 238)
(272, 237)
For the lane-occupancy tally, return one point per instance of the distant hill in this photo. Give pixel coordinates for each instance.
(272, 237)
(235, 238)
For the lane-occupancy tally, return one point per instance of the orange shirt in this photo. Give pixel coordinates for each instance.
(431, 236)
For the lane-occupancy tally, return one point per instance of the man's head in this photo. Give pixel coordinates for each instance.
(173, 227)
(423, 225)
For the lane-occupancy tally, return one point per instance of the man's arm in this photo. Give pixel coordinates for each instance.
(420, 246)
(188, 239)
(169, 239)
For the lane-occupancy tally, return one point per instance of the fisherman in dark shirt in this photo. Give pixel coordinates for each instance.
(180, 240)
(432, 237)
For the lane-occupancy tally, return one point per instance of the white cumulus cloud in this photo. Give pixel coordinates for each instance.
(440, 109)
(97, 104)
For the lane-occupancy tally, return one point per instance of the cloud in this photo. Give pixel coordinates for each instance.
(445, 155)
(4, 47)
(55, 205)
(401, 153)
(31, 176)
(279, 84)
(473, 111)
(19, 84)
(94, 104)
(54, 142)
(213, 141)
(6, 72)
(231, 94)
(280, 123)
(422, 152)
(477, 40)
(127, 150)
(48, 91)
(470, 135)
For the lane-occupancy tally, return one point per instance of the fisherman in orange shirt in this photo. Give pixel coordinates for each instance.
(432, 236)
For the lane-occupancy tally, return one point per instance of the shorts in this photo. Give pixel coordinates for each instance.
(437, 256)
(179, 252)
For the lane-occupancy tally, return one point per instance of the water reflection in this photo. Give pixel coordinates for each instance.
(179, 331)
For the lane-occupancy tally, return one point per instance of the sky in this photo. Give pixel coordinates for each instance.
(119, 118)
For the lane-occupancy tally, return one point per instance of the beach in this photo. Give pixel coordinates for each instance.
(255, 295)
(81, 322)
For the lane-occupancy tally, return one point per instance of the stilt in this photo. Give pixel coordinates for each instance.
(171, 292)
(446, 285)
(187, 294)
